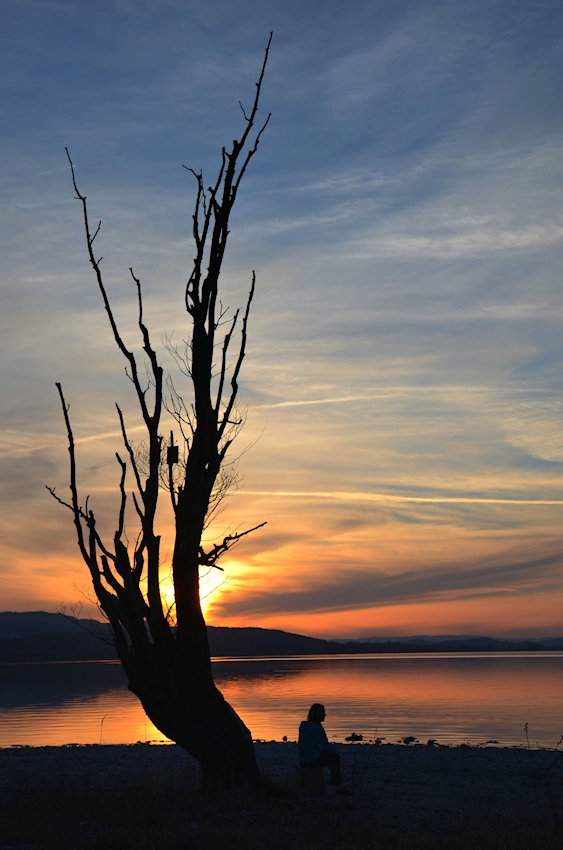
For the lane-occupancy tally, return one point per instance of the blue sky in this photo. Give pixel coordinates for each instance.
(403, 215)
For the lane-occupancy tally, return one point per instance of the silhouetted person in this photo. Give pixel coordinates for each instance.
(314, 750)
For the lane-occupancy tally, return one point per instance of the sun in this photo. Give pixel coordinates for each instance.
(210, 580)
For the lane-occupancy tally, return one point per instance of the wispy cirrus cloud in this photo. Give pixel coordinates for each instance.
(344, 496)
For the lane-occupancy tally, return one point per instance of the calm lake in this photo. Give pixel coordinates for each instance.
(453, 698)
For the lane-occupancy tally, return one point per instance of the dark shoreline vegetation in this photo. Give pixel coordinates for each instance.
(405, 798)
(145, 821)
(39, 636)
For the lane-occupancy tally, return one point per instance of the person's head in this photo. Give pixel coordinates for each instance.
(317, 712)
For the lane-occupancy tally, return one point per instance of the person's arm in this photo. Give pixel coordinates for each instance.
(323, 740)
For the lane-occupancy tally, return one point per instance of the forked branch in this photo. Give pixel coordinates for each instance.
(209, 559)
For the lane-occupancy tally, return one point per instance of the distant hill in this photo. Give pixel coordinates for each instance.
(14, 624)
(39, 636)
(431, 643)
(413, 638)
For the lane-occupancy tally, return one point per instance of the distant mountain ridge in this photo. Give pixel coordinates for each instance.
(430, 640)
(15, 624)
(40, 636)
(414, 638)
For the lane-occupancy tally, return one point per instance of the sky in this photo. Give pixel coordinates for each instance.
(403, 380)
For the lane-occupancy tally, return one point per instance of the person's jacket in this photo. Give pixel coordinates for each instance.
(312, 742)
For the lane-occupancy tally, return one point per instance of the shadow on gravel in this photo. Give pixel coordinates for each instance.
(182, 822)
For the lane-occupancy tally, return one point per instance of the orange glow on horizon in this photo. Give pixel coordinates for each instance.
(309, 550)
(65, 581)
(490, 617)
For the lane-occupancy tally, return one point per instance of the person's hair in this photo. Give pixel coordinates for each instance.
(316, 712)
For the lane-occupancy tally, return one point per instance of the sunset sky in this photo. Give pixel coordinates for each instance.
(404, 374)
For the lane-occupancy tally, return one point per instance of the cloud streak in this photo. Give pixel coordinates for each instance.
(372, 395)
(357, 589)
(389, 497)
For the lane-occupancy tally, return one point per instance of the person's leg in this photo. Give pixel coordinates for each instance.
(333, 764)
(332, 761)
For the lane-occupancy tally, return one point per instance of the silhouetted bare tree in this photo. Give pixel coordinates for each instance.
(167, 661)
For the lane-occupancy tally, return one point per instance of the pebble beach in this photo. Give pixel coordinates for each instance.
(415, 788)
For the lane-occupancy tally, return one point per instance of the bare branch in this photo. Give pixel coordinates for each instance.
(130, 451)
(242, 351)
(249, 156)
(252, 116)
(140, 514)
(172, 458)
(75, 618)
(74, 492)
(123, 466)
(61, 501)
(222, 373)
(209, 559)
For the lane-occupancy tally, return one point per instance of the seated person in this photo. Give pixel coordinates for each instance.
(314, 750)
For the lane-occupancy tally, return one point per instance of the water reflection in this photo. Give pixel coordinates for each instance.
(56, 683)
(451, 698)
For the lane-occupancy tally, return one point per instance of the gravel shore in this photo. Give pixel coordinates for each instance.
(415, 788)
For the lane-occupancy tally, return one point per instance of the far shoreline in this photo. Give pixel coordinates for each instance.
(403, 653)
(36, 636)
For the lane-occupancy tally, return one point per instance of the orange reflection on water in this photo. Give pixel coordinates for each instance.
(114, 717)
(451, 698)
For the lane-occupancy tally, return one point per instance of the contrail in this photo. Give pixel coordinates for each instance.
(372, 395)
(107, 434)
(387, 497)
(64, 168)
(323, 400)
(40, 173)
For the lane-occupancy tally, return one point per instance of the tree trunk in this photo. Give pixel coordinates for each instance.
(178, 694)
